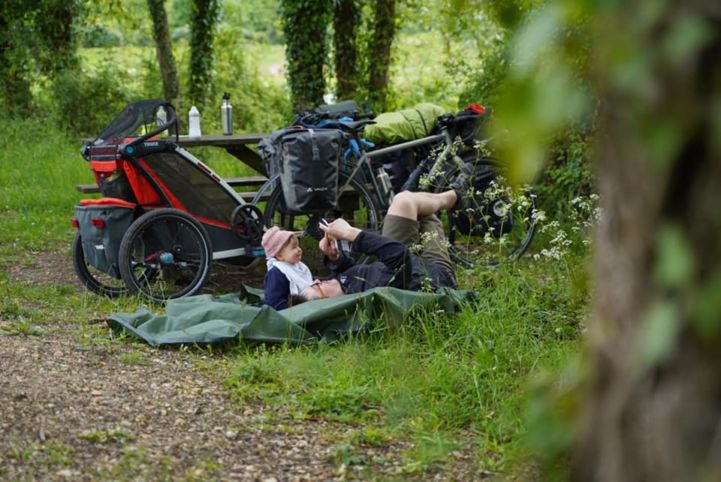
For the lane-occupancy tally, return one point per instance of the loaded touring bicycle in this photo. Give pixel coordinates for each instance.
(164, 215)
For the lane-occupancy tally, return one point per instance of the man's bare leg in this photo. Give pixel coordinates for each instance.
(415, 205)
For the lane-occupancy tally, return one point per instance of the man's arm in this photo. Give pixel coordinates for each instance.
(393, 254)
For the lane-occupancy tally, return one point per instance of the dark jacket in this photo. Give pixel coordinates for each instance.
(396, 267)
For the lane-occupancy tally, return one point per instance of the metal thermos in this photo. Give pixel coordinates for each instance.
(385, 183)
(226, 115)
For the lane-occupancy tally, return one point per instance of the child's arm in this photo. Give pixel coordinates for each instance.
(277, 289)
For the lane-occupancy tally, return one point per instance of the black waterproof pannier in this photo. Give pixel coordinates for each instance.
(102, 224)
(306, 161)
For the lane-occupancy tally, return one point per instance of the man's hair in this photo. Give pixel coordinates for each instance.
(297, 299)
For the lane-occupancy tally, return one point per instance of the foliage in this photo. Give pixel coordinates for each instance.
(568, 173)
(85, 102)
(305, 24)
(36, 38)
(203, 19)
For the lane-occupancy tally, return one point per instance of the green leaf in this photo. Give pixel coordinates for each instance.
(674, 259)
(657, 333)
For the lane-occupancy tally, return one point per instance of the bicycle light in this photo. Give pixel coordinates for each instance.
(98, 223)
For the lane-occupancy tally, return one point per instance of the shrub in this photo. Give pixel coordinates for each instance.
(85, 102)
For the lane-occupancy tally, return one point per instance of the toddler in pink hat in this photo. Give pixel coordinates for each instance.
(287, 275)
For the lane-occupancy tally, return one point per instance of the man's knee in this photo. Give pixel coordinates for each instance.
(404, 204)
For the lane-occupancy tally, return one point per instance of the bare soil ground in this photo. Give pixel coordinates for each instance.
(75, 409)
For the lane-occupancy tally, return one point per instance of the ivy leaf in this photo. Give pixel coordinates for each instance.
(674, 260)
(657, 334)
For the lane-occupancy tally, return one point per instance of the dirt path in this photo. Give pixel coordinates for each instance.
(85, 413)
(79, 408)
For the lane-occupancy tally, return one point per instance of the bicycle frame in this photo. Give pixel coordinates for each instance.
(364, 162)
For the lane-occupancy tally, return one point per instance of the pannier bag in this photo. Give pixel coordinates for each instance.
(404, 125)
(470, 124)
(102, 224)
(307, 162)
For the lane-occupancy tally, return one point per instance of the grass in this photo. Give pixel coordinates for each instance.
(442, 383)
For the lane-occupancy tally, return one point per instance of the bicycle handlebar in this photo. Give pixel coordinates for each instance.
(170, 122)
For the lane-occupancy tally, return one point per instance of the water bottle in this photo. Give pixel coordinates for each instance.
(161, 117)
(226, 115)
(384, 182)
(194, 122)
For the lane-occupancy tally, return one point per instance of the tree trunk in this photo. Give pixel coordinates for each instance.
(652, 409)
(379, 52)
(56, 29)
(164, 49)
(345, 20)
(14, 83)
(203, 17)
(305, 24)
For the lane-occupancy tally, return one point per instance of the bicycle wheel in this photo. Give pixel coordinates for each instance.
(165, 254)
(496, 222)
(95, 280)
(355, 205)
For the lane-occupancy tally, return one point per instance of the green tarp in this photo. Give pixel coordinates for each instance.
(210, 319)
(403, 125)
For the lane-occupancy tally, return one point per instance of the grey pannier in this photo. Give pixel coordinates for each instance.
(306, 161)
(102, 224)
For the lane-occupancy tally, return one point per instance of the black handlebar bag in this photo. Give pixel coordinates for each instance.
(306, 161)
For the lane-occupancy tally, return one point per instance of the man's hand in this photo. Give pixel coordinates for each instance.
(340, 229)
(329, 248)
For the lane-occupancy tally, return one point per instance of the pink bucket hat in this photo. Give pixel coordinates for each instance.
(274, 239)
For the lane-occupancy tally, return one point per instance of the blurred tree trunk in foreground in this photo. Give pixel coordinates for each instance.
(164, 49)
(379, 52)
(652, 407)
(345, 21)
(203, 17)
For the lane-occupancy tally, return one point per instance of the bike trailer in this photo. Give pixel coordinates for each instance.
(102, 224)
(306, 162)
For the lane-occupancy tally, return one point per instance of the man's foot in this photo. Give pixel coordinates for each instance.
(462, 183)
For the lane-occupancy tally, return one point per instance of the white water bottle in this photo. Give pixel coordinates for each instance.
(226, 115)
(161, 117)
(194, 122)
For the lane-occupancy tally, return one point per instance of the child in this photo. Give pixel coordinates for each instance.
(287, 275)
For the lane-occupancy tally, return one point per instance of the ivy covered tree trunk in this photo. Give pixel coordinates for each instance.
(345, 21)
(379, 52)
(14, 83)
(652, 409)
(203, 18)
(164, 49)
(305, 24)
(55, 21)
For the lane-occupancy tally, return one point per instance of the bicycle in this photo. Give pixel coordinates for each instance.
(499, 224)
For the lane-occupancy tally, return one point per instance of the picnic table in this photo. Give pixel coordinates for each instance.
(236, 145)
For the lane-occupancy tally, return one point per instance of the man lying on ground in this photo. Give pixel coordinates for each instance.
(411, 221)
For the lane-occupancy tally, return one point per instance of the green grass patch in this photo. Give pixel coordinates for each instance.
(440, 380)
